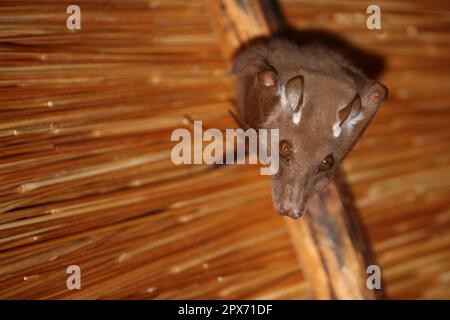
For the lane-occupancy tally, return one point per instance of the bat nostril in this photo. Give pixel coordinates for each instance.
(296, 213)
(293, 213)
(282, 211)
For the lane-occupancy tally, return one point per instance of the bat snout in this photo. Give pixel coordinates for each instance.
(294, 213)
(290, 198)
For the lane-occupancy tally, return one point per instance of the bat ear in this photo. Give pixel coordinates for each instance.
(258, 83)
(351, 113)
(368, 105)
(294, 93)
(261, 97)
(371, 101)
(358, 114)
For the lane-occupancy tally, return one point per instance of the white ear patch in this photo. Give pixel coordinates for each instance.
(290, 102)
(349, 124)
(296, 117)
(283, 98)
(354, 121)
(337, 129)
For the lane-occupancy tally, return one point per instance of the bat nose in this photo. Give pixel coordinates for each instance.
(282, 211)
(294, 213)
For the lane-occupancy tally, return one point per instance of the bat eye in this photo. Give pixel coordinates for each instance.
(285, 149)
(326, 163)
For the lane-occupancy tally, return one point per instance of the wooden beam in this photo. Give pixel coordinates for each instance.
(330, 244)
(236, 22)
(328, 240)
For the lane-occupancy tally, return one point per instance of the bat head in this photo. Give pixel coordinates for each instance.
(321, 105)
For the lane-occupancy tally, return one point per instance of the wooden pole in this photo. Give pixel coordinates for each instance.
(328, 240)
